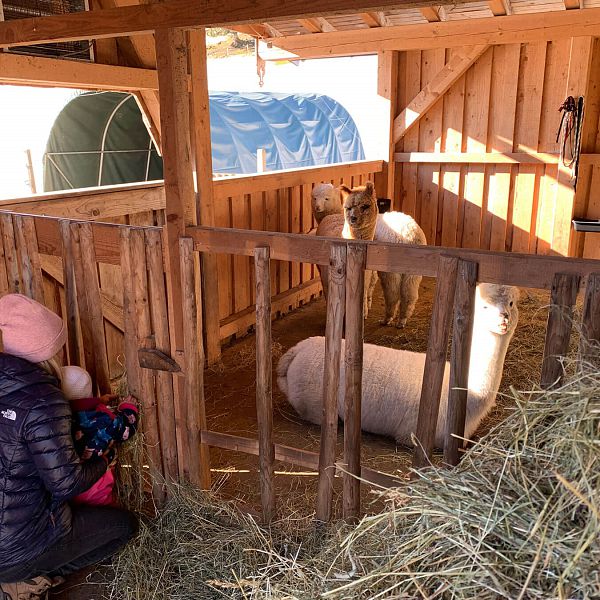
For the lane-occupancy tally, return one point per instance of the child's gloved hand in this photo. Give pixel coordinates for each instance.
(110, 456)
(108, 398)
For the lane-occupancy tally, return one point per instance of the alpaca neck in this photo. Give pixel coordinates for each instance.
(488, 352)
(366, 232)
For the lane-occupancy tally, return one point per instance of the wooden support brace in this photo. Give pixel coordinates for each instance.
(435, 360)
(435, 89)
(155, 360)
(264, 394)
(336, 300)
(558, 331)
(589, 347)
(353, 361)
(464, 315)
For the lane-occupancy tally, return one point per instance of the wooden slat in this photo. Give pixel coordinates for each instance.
(500, 8)
(264, 393)
(496, 158)
(353, 362)
(373, 19)
(464, 314)
(94, 305)
(558, 330)
(431, 93)
(589, 347)
(16, 69)
(336, 300)
(27, 249)
(435, 360)
(13, 271)
(523, 270)
(192, 416)
(4, 289)
(160, 326)
(431, 13)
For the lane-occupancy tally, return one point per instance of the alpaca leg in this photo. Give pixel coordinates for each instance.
(372, 285)
(409, 294)
(366, 302)
(390, 283)
(324, 274)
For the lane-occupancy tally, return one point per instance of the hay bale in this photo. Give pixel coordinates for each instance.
(519, 518)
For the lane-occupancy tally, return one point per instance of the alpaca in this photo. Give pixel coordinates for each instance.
(325, 201)
(400, 291)
(357, 223)
(392, 378)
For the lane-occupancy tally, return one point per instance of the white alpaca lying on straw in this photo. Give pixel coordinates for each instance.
(392, 378)
(400, 291)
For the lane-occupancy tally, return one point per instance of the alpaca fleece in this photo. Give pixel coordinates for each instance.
(392, 378)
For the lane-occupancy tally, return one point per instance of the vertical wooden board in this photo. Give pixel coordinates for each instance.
(272, 224)
(503, 106)
(284, 267)
(412, 87)
(454, 105)
(31, 270)
(240, 219)
(257, 222)
(306, 270)
(477, 102)
(545, 216)
(111, 286)
(13, 270)
(430, 140)
(224, 261)
(391, 83)
(295, 222)
(527, 131)
(4, 288)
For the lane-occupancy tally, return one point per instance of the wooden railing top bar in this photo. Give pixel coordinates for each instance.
(523, 270)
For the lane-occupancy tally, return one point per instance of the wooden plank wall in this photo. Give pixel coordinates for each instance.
(506, 102)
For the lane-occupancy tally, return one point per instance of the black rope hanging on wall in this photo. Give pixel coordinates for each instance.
(569, 134)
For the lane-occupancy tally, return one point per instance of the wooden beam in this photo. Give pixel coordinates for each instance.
(513, 29)
(174, 14)
(374, 19)
(500, 8)
(571, 4)
(20, 69)
(494, 158)
(431, 13)
(317, 25)
(434, 90)
(522, 270)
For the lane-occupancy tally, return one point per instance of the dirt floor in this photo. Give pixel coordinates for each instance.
(230, 405)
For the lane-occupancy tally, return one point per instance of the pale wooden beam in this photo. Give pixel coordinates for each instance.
(500, 8)
(374, 19)
(53, 72)
(512, 29)
(434, 90)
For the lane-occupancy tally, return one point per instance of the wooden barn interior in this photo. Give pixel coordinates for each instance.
(165, 273)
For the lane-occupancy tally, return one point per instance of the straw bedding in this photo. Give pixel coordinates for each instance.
(519, 519)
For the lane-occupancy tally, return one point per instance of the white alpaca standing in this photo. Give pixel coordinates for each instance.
(392, 378)
(400, 291)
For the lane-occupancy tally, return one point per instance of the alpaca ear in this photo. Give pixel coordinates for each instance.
(345, 191)
(370, 188)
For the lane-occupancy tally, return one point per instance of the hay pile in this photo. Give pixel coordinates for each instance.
(518, 519)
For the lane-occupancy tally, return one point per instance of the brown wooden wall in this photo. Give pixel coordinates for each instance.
(506, 102)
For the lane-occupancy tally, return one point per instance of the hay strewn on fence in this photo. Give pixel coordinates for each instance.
(518, 519)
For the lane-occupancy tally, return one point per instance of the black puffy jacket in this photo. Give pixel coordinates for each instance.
(39, 469)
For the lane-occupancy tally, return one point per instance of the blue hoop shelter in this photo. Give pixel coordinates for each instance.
(100, 138)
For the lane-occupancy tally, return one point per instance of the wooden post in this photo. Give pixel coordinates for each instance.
(199, 463)
(589, 347)
(336, 300)
(74, 345)
(94, 305)
(10, 253)
(202, 149)
(264, 394)
(435, 360)
(353, 362)
(30, 171)
(261, 160)
(160, 326)
(464, 314)
(558, 331)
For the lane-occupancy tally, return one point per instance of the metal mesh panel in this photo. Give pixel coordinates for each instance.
(23, 9)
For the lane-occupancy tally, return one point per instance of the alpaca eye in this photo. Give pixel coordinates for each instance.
(365, 207)
(511, 303)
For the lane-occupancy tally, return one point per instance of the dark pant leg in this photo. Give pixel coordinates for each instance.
(96, 534)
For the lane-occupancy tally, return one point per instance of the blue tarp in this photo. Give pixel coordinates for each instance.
(100, 137)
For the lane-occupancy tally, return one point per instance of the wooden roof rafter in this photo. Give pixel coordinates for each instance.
(500, 8)
(434, 14)
(317, 25)
(571, 4)
(374, 19)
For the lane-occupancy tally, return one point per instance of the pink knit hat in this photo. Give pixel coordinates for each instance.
(30, 330)
(76, 383)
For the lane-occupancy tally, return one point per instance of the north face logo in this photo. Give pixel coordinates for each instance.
(11, 415)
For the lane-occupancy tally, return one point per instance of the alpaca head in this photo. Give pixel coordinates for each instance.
(360, 208)
(325, 201)
(496, 307)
